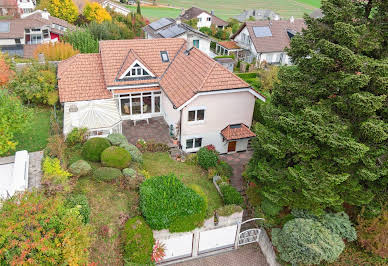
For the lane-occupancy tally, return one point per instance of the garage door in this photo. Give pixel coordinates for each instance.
(217, 239)
(178, 247)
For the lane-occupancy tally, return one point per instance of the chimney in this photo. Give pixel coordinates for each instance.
(178, 20)
(212, 12)
(292, 19)
(182, 11)
(45, 14)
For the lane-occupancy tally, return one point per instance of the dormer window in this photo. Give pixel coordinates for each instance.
(164, 56)
(137, 71)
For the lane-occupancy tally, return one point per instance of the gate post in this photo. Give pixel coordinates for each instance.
(237, 235)
(194, 252)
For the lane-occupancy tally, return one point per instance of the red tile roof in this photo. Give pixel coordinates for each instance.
(238, 131)
(279, 39)
(229, 45)
(80, 78)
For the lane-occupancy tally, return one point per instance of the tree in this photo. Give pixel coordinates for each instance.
(55, 51)
(268, 77)
(14, 119)
(138, 10)
(5, 70)
(322, 141)
(305, 241)
(82, 40)
(95, 12)
(63, 9)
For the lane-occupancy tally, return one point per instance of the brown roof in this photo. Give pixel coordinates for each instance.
(80, 78)
(193, 12)
(187, 72)
(229, 45)
(8, 3)
(237, 131)
(37, 16)
(279, 39)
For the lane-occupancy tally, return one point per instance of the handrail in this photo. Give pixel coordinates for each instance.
(250, 220)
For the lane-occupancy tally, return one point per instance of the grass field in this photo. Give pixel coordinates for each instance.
(229, 8)
(154, 13)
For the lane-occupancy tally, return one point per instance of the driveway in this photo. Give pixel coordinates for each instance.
(248, 255)
(238, 161)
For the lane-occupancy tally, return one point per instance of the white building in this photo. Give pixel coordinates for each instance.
(205, 19)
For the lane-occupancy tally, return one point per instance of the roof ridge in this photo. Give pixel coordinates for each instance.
(208, 75)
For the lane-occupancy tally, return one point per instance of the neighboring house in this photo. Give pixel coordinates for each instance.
(257, 14)
(15, 8)
(226, 62)
(205, 19)
(139, 79)
(115, 6)
(171, 28)
(266, 40)
(33, 28)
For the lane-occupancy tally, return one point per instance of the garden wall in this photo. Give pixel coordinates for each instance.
(267, 248)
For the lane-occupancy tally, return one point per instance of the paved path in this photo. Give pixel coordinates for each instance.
(237, 161)
(249, 255)
(35, 169)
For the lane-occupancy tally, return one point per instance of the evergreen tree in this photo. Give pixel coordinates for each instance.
(322, 141)
(138, 10)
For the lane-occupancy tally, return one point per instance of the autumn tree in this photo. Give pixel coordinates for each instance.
(55, 51)
(63, 9)
(5, 70)
(95, 12)
(322, 140)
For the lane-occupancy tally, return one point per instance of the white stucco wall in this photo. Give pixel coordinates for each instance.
(170, 114)
(203, 20)
(204, 44)
(10, 41)
(221, 110)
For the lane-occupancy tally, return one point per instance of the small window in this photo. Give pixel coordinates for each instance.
(164, 56)
(193, 143)
(137, 71)
(191, 115)
(196, 115)
(17, 41)
(200, 114)
(198, 143)
(209, 19)
(189, 143)
(196, 43)
(235, 126)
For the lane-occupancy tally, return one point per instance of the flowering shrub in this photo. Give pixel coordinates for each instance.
(158, 252)
(36, 230)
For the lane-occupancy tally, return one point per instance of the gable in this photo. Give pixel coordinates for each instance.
(134, 68)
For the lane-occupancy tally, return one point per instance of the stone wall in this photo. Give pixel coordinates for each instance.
(267, 248)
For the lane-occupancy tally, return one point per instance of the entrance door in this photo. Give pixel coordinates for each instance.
(232, 146)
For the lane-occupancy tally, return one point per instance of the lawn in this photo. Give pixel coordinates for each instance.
(229, 8)
(161, 164)
(154, 13)
(35, 138)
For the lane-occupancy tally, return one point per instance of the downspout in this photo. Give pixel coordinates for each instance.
(180, 129)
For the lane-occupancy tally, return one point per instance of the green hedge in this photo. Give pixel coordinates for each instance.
(250, 75)
(116, 157)
(230, 195)
(107, 173)
(93, 148)
(75, 200)
(138, 241)
(164, 199)
(207, 158)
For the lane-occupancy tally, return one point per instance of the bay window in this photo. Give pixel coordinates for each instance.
(139, 103)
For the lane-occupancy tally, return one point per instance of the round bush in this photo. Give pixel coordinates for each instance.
(93, 148)
(80, 168)
(117, 139)
(136, 155)
(163, 199)
(74, 200)
(138, 241)
(115, 157)
(207, 158)
(107, 173)
(129, 172)
(305, 241)
(230, 195)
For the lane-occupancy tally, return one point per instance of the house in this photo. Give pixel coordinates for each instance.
(205, 19)
(15, 8)
(266, 40)
(257, 14)
(171, 28)
(139, 79)
(33, 28)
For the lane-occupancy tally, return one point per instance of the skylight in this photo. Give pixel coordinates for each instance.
(235, 126)
(262, 32)
(164, 56)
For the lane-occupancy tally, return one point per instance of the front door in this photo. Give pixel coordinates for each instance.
(232, 146)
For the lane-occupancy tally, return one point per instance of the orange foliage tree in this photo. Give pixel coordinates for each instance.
(55, 52)
(5, 71)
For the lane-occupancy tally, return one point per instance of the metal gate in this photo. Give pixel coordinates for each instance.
(250, 235)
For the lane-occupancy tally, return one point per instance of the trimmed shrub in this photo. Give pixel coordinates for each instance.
(339, 223)
(80, 168)
(270, 208)
(228, 210)
(207, 158)
(129, 172)
(230, 195)
(107, 174)
(224, 169)
(305, 241)
(93, 148)
(136, 155)
(76, 136)
(81, 202)
(164, 199)
(247, 75)
(138, 241)
(115, 157)
(117, 139)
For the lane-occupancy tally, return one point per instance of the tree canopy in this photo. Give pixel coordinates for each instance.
(322, 140)
(95, 12)
(63, 9)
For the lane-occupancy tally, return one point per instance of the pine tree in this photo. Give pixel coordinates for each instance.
(138, 10)
(322, 140)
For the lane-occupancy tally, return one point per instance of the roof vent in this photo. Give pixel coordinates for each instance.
(292, 19)
(187, 52)
(73, 108)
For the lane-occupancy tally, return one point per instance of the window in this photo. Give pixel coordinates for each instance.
(137, 71)
(193, 143)
(140, 103)
(46, 34)
(209, 19)
(196, 43)
(164, 56)
(196, 115)
(199, 19)
(17, 41)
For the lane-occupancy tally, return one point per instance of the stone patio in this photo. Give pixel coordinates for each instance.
(157, 130)
(238, 161)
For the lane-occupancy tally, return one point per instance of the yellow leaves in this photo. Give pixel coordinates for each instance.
(64, 9)
(55, 52)
(95, 12)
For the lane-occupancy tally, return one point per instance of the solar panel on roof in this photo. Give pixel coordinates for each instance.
(163, 22)
(172, 32)
(4, 26)
(262, 31)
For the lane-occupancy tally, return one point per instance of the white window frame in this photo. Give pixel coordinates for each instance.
(140, 95)
(150, 74)
(196, 109)
(193, 149)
